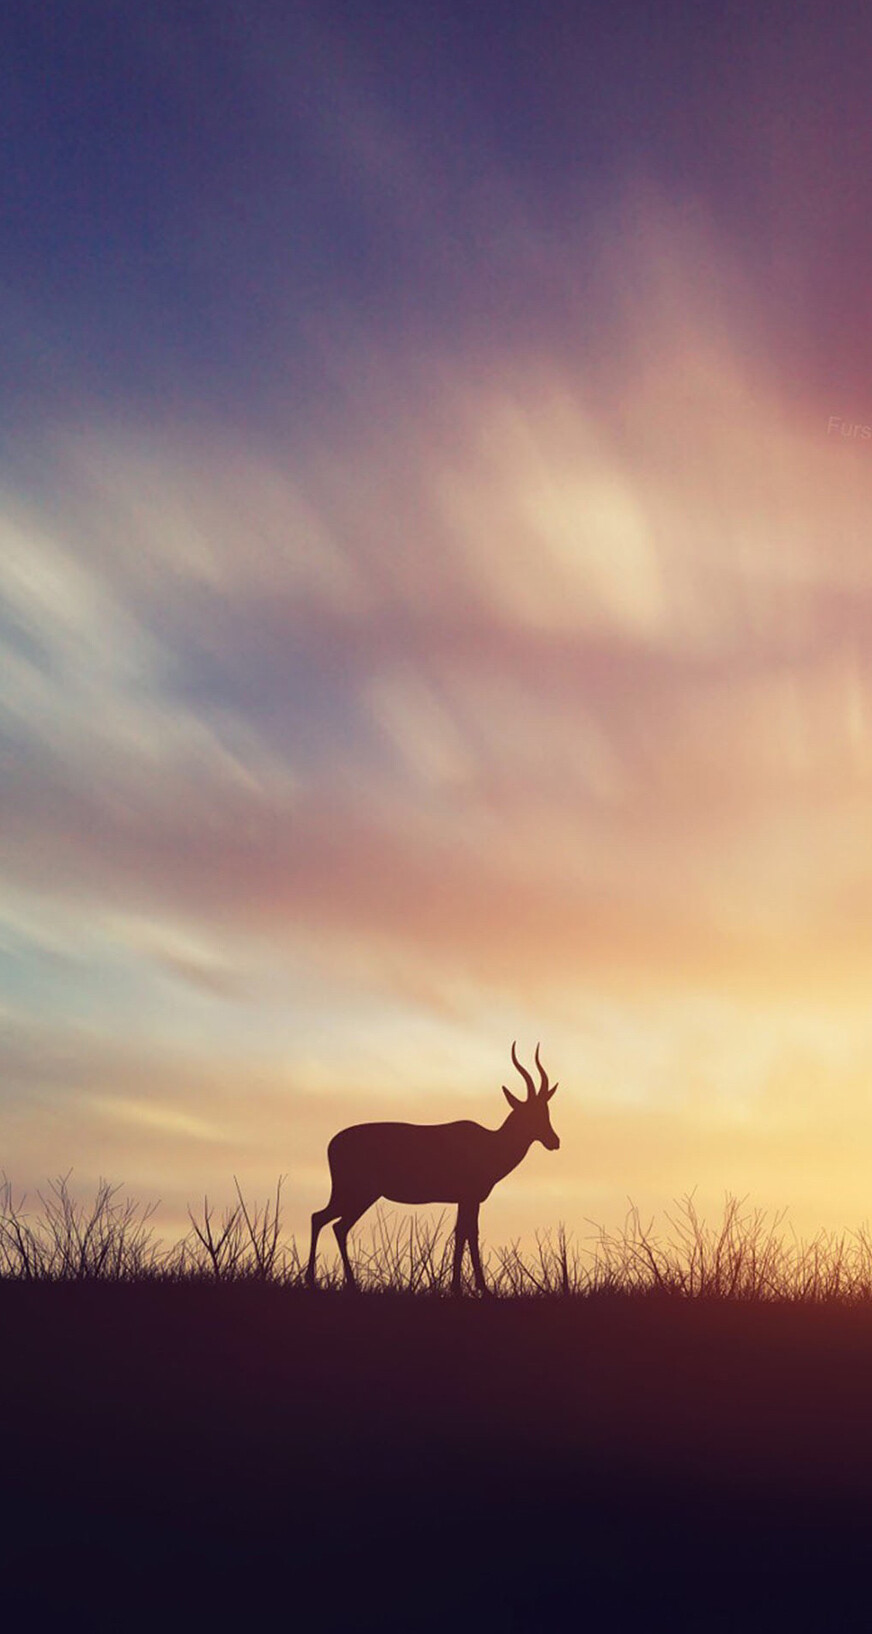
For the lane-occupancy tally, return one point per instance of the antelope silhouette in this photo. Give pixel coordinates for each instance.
(432, 1163)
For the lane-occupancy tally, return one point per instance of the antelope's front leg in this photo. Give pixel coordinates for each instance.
(461, 1232)
(472, 1237)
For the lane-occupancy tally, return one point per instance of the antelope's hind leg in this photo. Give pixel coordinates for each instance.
(349, 1217)
(320, 1218)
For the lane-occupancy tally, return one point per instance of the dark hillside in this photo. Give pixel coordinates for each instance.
(188, 1455)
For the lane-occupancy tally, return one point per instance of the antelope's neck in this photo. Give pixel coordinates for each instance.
(513, 1145)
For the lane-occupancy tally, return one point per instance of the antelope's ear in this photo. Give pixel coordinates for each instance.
(513, 1101)
(550, 1092)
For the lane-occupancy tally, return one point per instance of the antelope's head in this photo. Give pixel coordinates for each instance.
(534, 1110)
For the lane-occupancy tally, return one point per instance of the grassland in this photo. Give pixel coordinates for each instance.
(667, 1430)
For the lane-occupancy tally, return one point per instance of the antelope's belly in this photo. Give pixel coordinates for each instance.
(445, 1193)
(410, 1196)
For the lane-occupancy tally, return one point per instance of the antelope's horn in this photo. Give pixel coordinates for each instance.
(544, 1086)
(531, 1091)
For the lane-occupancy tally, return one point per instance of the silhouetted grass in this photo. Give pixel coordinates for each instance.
(655, 1427)
(748, 1255)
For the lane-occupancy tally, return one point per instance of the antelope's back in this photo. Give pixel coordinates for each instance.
(410, 1162)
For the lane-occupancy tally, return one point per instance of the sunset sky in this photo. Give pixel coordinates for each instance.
(436, 595)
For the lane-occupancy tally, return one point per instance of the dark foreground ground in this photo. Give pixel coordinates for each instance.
(198, 1458)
